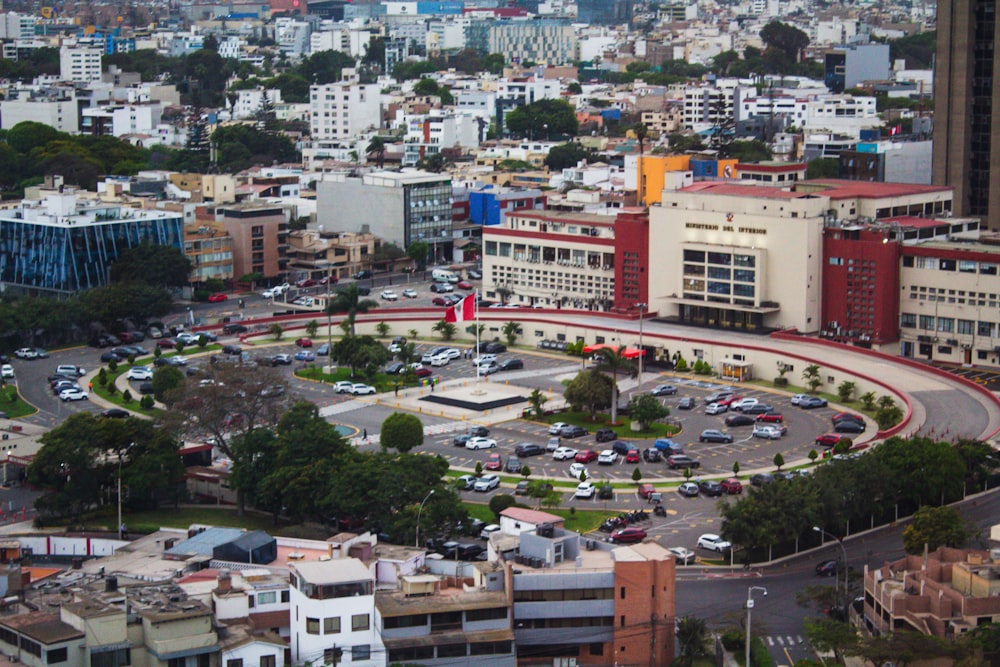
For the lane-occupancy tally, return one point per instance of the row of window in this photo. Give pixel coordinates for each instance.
(331, 625)
(944, 264)
(720, 258)
(564, 595)
(449, 651)
(947, 325)
(721, 273)
(265, 661)
(420, 620)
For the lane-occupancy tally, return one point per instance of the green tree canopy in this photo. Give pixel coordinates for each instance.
(936, 527)
(401, 431)
(590, 390)
(566, 155)
(156, 265)
(532, 119)
(786, 38)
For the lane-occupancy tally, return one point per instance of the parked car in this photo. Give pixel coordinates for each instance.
(343, 387)
(688, 489)
(26, 353)
(307, 355)
(139, 373)
(572, 432)
(388, 295)
(361, 389)
(510, 364)
(798, 398)
(585, 490)
(646, 490)
(480, 443)
(732, 486)
(585, 456)
(629, 535)
(115, 413)
(488, 530)
(606, 435)
(668, 446)
(513, 465)
(484, 360)
(409, 293)
(846, 416)
(217, 297)
(713, 542)
(718, 396)
(811, 402)
(759, 409)
(474, 274)
(441, 288)
(73, 394)
(683, 556)
(828, 439)
(70, 370)
(737, 419)
(849, 426)
(771, 417)
(494, 462)
(664, 390)
(440, 301)
(230, 329)
(830, 568)
(743, 404)
(564, 454)
(607, 458)
(281, 360)
(682, 461)
(304, 342)
(716, 409)
(553, 444)
(686, 403)
(556, 428)
(464, 284)
(651, 455)
(632, 456)
(578, 469)
(7, 371)
(526, 449)
(714, 435)
(767, 432)
(487, 483)
(710, 488)
(761, 478)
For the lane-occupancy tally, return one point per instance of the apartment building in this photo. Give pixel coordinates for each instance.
(210, 250)
(709, 106)
(842, 115)
(80, 63)
(544, 41)
(249, 102)
(316, 253)
(55, 107)
(333, 614)
(427, 134)
(260, 238)
(344, 109)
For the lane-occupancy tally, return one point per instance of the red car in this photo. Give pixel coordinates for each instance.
(423, 372)
(732, 486)
(586, 456)
(828, 439)
(494, 462)
(304, 342)
(729, 400)
(632, 456)
(305, 282)
(464, 284)
(771, 417)
(217, 297)
(166, 343)
(628, 535)
(440, 301)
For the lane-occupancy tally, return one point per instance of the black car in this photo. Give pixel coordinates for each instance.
(605, 435)
(686, 403)
(528, 449)
(361, 275)
(115, 413)
(510, 364)
(652, 455)
(280, 360)
(606, 491)
(737, 419)
(474, 274)
(396, 368)
(478, 431)
(758, 409)
(513, 464)
(761, 478)
(470, 551)
(112, 356)
(233, 350)
(146, 388)
(461, 439)
(495, 348)
(849, 426)
(710, 488)
(572, 432)
(234, 329)
(829, 568)
(621, 448)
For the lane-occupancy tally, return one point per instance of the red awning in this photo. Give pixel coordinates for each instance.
(628, 353)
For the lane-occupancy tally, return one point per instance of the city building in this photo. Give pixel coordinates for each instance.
(427, 134)
(965, 134)
(944, 593)
(709, 106)
(62, 244)
(779, 174)
(398, 207)
(846, 67)
(250, 102)
(843, 115)
(604, 12)
(344, 109)
(260, 238)
(210, 250)
(333, 614)
(490, 206)
(80, 63)
(316, 253)
(121, 120)
(55, 107)
(888, 161)
(543, 41)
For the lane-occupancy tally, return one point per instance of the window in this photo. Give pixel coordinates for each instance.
(836, 261)
(452, 651)
(115, 658)
(965, 327)
(360, 622)
(985, 329)
(361, 652)
(55, 655)
(312, 626)
(908, 320)
(965, 266)
(927, 322)
(234, 663)
(596, 649)
(331, 626)
(267, 661)
(491, 614)
(489, 648)
(267, 598)
(947, 264)
(908, 262)
(491, 247)
(946, 324)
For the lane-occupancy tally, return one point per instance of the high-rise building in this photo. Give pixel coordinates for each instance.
(964, 136)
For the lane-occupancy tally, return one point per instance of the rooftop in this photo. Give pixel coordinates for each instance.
(750, 191)
(837, 188)
(531, 516)
(43, 627)
(396, 603)
(340, 571)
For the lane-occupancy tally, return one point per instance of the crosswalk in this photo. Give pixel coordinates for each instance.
(783, 640)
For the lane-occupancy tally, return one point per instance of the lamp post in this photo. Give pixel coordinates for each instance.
(642, 353)
(419, 511)
(749, 609)
(836, 581)
(120, 454)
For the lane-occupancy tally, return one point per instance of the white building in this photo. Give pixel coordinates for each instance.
(428, 134)
(706, 106)
(80, 63)
(231, 47)
(344, 109)
(17, 26)
(121, 120)
(333, 614)
(841, 114)
(341, 37)
(248, 102)
(446, 35)
(58, 111)
(292, 36)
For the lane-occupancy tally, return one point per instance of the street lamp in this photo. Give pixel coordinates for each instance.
(642, 308)
(836, 580)
(749, 609)
(426, 498)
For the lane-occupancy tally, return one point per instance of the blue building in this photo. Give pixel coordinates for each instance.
(60, 245)
(490, 206)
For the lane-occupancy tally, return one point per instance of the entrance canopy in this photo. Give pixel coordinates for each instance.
(628, 352)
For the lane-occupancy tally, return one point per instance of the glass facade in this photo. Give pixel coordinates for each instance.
(76, 256)
(427, 209)
(725, 284)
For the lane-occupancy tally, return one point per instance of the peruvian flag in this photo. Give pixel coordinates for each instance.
(463, 311)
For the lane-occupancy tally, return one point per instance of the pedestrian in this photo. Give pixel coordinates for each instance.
(90, 386)
(366, 435)
(432, 385)
(396, 389)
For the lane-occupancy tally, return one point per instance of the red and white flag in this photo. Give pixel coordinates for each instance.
(463, 311)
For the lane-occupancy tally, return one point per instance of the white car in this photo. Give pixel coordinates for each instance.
(607, 458)
(564, 453)
(744, 403)
(361, 389)
(409, 293)
(26, 353)
(388, 295)
(798, 398)
(7, 371)
(73, 394)
(480, 442)
(682, 555)
(713, 542)
(453, 353)
(395, 348)
(585, 490)
(556, 428)
(343, 387)
(139, 373)
(715, 408)
(577, 469)
(303, 301)
(440, 359)
(484, 360)
(767, 431)
(488, 530)
(178, 360)
(487, 483)
(187, 338)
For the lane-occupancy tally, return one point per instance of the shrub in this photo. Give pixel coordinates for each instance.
(681, 366)
(147, 402)
(500, 502)
(127, 396)
(780, 381)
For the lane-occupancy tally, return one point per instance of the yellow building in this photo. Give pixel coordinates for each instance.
(653, 178)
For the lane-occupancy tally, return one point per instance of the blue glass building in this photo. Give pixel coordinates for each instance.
(62, 246)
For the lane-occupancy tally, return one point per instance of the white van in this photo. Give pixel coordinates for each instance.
(444, 276)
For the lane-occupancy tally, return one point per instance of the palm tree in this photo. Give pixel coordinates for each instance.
(614, 360)
(692, 640)
(377, 146)
(347, 299)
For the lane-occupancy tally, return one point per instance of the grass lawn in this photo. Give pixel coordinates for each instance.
(225, 515)
(382, 381)
(624, 430)
(116, 397)
(12, 403)
(582, 521)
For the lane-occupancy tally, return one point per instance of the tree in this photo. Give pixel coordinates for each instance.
(113, 303)
(868, 400)
(383, 329)
(165, 380)
(156, 265)
(446, 329)
(827, 634)
(614, 360)
(494, 63)
(500, 502)
(887, 414)
(823, 167)
(544, 117)
(935, 527)
(845, 391)
(646, 409)
(277, 331)
(568, 155)
(636, 474)
(347, 299)
(736, 468)
(312, 326)
(359, 352)
(786, 38)
(377, 146)
(510, 331)
(402, 432)
(811, 375)
(692, 640)
(590, 390)
(778, 460)
(525, 471)
(417, 251)
(536, 399)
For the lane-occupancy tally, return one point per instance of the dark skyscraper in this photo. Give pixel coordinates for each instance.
(966, 145)
(604, 12)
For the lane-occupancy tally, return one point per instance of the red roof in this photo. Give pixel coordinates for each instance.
(735, 190)
(913, 221)
(628, 353)
(530, 516)
(845, 189)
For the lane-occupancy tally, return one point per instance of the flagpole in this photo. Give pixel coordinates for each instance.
(475, 305)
